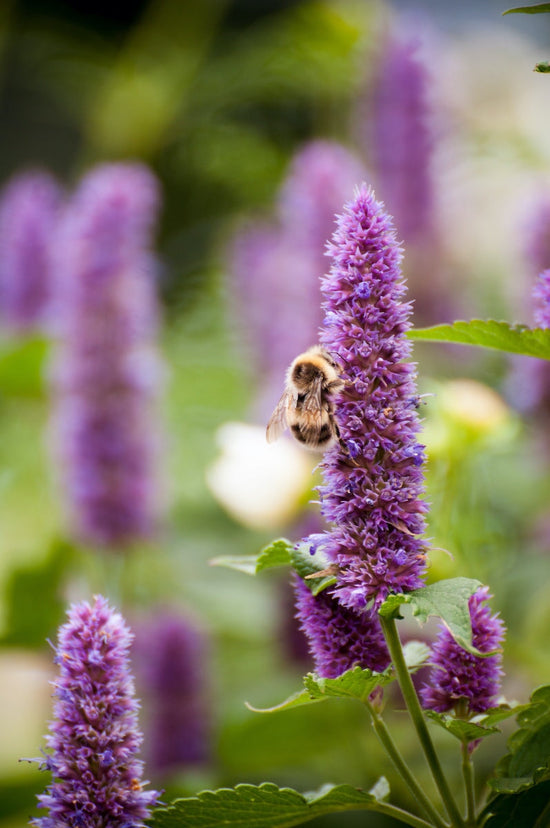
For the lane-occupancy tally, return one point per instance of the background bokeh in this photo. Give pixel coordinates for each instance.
(217, 96)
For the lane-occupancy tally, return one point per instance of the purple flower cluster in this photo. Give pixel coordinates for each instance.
(170, 656)
(107, 372)
(373, 492)
(94, 739)
(29, 211)
(459, 677)
(339, 638)
(276, 265)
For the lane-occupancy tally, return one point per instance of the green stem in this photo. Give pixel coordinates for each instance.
(401, 815)
(413, 706)
(402, 768)
(468, 774)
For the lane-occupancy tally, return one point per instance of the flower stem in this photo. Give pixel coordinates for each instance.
(413, 706)
(401, 815)
(468, 774)
(402, 768)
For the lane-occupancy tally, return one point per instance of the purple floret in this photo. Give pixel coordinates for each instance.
(457, 676)
(94, 739)
(372, 493)
(107, 373)
(339, 638)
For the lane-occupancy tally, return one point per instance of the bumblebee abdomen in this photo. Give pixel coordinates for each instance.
(310, 436)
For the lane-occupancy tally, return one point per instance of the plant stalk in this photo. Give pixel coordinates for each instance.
(468, 774)
(413, 706)
(402, 768)
(401, 815)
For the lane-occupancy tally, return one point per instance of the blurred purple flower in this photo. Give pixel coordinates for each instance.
(276, 267)
(541, 296)
(94, 739)
(537, 233)
(372, 493)
(528, 386)
(29, 211)
(397, 128)
(107, 371)
(339, 638)
(397, 132)
(170, 656)
(321, 177)
(458, 676)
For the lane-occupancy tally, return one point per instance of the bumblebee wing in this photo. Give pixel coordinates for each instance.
(278, 421)
(313, 403)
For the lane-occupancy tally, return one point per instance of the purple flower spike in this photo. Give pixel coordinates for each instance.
(107, 373)
(458, 676)
(94, 739)
(372, 491)
(170, 657)
(29, 210)
(339, 638)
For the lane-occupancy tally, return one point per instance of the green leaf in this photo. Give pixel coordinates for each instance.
(542, 66)
(528, 759)
(515, 339)
(497, 714)
(265, 806)
(356, 683)
(282, 552)
(538, 8)
(478, 727)
(464, 731)
(448, 600)
(530, 808)
(309, 566)
(278, 553)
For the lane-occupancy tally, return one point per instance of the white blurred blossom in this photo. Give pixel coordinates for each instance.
(260, 485)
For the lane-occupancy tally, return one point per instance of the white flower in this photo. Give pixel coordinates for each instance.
(260, 485)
